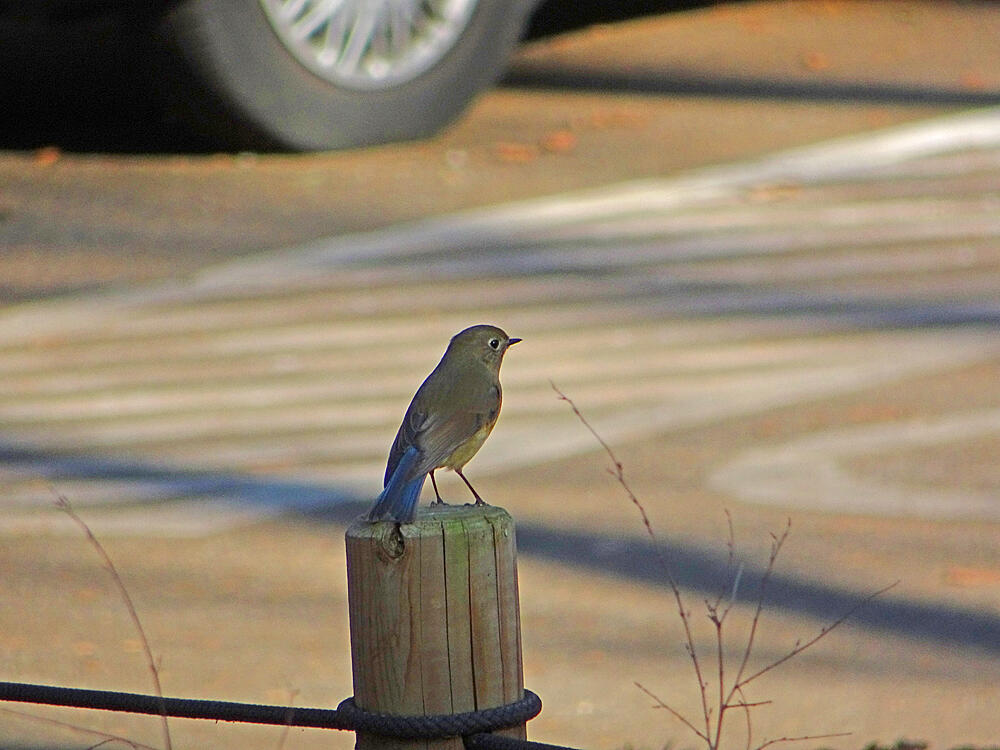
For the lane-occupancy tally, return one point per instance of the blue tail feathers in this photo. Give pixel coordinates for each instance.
(399, 500)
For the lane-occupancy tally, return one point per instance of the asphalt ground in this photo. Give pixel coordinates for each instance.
(602, 105)
(809, 336)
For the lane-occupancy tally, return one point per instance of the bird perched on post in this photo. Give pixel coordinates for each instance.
(447, 422)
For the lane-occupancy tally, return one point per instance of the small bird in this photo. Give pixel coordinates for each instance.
(447, 422)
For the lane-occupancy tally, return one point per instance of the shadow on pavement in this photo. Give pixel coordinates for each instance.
(693, 568)
(679, 83)
(276, 495)
(871, 313)
(629, 558)
(102, 97)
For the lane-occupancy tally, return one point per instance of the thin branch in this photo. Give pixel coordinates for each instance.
(64, 505)
(619, 470)
(800, 647)
(677, 715)
(746, 713)
(292, 694)
(803, 738)
(776, 544)
(730, 564)
(104, 742)
(721, 658)
(82, 730)
(751, 704)
(619, 474)
(717, 613)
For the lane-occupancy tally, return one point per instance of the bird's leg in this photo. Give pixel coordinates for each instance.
(439, 501)
(479, 500)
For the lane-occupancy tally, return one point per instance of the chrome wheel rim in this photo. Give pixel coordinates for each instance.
(368, 44)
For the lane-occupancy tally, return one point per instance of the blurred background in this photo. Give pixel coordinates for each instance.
(756, 242)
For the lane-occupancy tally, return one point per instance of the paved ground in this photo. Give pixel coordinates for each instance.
(612, 103)
(810, 334)
(660, 305)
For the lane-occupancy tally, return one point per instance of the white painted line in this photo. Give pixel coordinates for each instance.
(687, 327)
(502, 225)
(830, 160)
(894, 360)
(809, 473)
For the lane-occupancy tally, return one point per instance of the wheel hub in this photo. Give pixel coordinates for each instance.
(368, 44)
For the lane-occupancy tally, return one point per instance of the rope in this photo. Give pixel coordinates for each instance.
(185, 708)
(442, 725)
(346, 716)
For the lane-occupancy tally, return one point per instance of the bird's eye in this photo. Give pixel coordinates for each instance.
(494, 343)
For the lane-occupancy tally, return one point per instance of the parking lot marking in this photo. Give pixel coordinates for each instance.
(724, 293)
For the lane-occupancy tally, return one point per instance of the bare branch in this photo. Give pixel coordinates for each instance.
(776, 544)
(714, 715)
(677, 715)
(290, 714)
(64, 505)
(800, 647)
(803, 738)
(81, 730)
(730, 563)
(619, 474)
(106, 742)
(720, 657)
(746, 713)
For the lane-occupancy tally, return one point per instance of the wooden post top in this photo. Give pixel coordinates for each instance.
(434, 519)
(435, 622)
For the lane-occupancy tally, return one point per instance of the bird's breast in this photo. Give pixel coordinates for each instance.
(464, 452)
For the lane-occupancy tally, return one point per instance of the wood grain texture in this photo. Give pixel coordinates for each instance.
(435, 621)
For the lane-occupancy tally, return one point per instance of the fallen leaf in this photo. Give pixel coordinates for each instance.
(47, 156)
(973, 80)
(559, 142)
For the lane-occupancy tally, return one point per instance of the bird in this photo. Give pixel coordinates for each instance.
(447, 422)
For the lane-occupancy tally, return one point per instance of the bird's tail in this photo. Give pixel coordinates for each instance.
(399, 500)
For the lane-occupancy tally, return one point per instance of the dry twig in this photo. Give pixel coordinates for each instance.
(106, 737)
(619, 474)
(64, 505)
(289, 715)
(731, 693)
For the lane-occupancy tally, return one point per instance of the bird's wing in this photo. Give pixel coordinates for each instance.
(442, 437)
(438, 435)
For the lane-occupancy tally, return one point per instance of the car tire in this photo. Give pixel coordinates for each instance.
(229, 74)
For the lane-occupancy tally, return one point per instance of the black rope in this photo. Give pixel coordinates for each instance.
(442, 725)
(346, 716)
(185, 708)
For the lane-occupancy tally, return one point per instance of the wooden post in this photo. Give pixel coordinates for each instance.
(435, 624)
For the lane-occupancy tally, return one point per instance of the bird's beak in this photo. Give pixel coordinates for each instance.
(511, 342)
